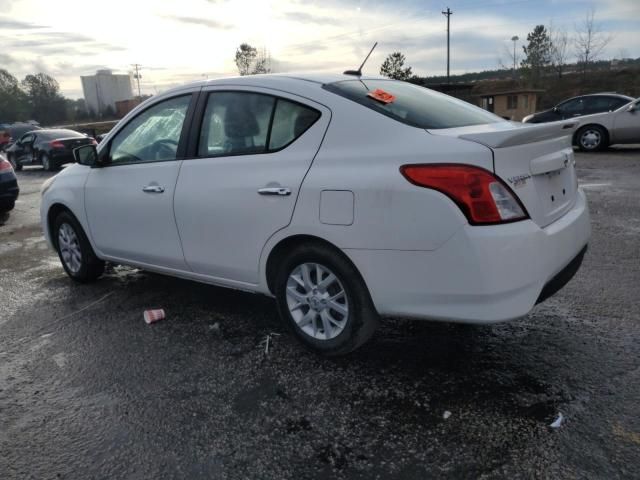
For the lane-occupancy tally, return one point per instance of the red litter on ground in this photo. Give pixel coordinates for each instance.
(152, 316)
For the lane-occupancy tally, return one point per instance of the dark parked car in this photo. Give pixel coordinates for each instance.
(49, 148)
(578, 106)
(8, 186)
(10, 133)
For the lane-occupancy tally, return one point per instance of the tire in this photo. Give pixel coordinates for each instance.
(308, 311)
(12, 160)
(75, 252)
(7, 207)
(592, 138)
(47, 164)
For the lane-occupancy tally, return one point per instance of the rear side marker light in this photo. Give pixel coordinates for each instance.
(483, 198)
(56, 144)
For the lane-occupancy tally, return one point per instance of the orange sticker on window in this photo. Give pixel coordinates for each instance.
(382, 96)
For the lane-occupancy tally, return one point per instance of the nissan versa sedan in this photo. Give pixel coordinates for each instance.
(346, 198)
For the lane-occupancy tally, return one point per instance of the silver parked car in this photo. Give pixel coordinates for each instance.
(598, 131)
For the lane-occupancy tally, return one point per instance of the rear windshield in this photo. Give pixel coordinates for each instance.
(413, 105)
(60, 134)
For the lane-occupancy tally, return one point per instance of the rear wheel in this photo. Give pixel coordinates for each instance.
(592, 138)
(47, 164)
(75, 252)
(323, 299)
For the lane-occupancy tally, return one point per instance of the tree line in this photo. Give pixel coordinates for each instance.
(548, 50)
(37, 97)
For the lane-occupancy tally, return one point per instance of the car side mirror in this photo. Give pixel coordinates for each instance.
(632, 108)
(86, 155)
(555, 110)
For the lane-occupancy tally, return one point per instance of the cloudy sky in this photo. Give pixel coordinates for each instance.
(177, 41)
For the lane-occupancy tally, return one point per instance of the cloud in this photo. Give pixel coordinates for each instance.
(304, 17)
(204, 22)
(14, 24)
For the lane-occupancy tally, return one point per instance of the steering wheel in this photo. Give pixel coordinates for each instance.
(164, 149)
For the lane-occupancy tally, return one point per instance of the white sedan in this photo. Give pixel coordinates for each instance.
(346, 198)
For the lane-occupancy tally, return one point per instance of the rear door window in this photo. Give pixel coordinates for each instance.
(413, 105)
(290, 120)
(246, 123)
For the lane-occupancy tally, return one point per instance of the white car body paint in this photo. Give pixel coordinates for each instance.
(415, 249)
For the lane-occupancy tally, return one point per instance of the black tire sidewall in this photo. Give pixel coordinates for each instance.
(90, 266)
(12, 160)
(361, 311)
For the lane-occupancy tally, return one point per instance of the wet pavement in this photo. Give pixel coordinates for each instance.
(88, 390)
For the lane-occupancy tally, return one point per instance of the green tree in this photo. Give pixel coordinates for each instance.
(245, 56)
(393, 67)
(537, 53)
(46, 105)
(13, 106)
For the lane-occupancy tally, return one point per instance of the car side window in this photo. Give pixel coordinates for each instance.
(290, 120)
(572, 106)
(235, 123)
(597, 104)
(616, 103)
(26, 139)
(153, 135)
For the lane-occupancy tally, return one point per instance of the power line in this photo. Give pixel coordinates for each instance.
(448, 14)
(137, 76)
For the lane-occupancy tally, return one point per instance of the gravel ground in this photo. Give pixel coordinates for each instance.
(100, 394)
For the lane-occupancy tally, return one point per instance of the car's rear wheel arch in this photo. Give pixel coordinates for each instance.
(286, 245)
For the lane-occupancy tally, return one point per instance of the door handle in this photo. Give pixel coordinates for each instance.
(153, 189)
(283, 191)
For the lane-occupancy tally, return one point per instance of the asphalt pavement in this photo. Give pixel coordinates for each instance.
(88, 390)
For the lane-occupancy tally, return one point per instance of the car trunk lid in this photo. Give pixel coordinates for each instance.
(536, 161)
(72, 142)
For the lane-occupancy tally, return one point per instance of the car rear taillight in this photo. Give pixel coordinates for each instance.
(56, 144)
(5, 166)
(482, 197)
(94, 141)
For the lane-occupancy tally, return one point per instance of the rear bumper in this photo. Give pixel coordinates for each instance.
(480, 275)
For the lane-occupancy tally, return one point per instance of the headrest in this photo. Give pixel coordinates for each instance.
(240, 122)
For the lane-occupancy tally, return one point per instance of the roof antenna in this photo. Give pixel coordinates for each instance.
(359, 71)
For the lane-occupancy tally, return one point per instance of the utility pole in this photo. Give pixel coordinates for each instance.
(448, 14)
(514, 39)
(137, 76)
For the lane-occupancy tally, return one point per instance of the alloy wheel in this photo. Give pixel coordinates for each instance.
(317, 301)
(69, 247)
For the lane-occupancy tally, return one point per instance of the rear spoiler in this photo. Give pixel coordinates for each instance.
(521, 133)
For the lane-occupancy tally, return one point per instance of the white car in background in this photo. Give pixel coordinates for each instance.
(344, 197)
(598, 131)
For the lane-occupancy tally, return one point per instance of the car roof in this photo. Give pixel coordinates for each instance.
(59, 132)
(607, 94)
(277, 80)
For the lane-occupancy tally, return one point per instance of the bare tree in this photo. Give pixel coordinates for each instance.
(559, 48)
(589, 41)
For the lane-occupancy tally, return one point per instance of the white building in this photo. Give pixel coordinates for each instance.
(104, 89)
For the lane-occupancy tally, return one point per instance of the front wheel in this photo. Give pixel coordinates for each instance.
(75, 252)
(591, 138)
(14, 163)
(323, 299)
